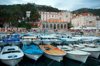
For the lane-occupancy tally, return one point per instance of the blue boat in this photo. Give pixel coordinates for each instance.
(32, 52)
(15, 36)
(12, 41)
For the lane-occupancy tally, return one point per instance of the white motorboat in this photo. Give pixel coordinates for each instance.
(2, 43)
(36, 41)
(46, 39)
(95, 51)
(11, 55)
(77, 55)
(16, 43)
(26, 41)
(89, 45)
(86, 38)
(56, 41)
(69, 40)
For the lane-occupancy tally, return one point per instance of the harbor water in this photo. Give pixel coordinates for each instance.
(44, 61)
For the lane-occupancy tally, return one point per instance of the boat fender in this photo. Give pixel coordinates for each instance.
(74, 48)
(9, 56)
(15, 56)
(56, 48)
(86, 46)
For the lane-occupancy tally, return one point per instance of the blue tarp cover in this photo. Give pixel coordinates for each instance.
(32, 49)
(10, 39)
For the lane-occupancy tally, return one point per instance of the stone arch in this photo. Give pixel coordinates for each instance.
(64, 26)
(61, 26)
(58, 26)
(54, 26)
(47, 25)
(50, 25)
(43, 25)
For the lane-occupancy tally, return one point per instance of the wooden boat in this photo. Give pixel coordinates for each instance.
(53, 52)
(29, 37)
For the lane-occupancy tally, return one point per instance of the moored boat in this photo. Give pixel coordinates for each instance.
(32, 52)
(36, 41)
(46, 39)
(95, 51)
(11, 55)
(77, 55)
(52, 52)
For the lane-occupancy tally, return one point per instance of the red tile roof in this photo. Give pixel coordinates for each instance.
(85, 14)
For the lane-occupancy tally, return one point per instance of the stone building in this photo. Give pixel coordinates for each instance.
(54, 24)
(55, 20)
(84, 19)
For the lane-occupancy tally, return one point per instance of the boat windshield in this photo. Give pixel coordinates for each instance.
(11, 49)
(10, 52)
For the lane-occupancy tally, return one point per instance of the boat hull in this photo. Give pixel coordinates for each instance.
(11, 62)
(2, 43)
(16, 43)
(57, 42)
(36, 42)
(55, 57)
(33, 56)
(94, 54)
(80, 58)
(47, 42)
(26, 42)
(94, 51)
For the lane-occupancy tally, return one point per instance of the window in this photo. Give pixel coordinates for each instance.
(90, 14)
(11, 52)
(50, 25)
(57, 25)
(61, 25)
(64, 25)
(11, 49)
(86, 23)
(86, 18)
(54, 26)
(43, 15)
(46, 25)
(78, 24)
(93, 24)
(43, 25)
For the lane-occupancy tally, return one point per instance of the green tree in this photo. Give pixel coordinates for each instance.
(25, 25)
(69, 25)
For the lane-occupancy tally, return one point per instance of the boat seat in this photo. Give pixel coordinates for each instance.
(47, 48)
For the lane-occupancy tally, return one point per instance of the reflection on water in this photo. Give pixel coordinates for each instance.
(44, 61)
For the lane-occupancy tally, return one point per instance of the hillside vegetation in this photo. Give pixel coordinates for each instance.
(12, 13)
(87, 10)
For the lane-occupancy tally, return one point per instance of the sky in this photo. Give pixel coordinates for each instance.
(69, 5)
